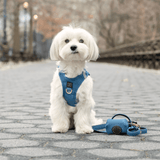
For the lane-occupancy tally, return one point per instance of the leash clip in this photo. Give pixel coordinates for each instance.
(135, 124)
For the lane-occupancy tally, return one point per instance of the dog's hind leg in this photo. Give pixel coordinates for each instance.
(94, 120)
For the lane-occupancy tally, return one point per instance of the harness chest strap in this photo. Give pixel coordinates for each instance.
(70, 86)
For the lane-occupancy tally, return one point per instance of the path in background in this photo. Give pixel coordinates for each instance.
(25, 127)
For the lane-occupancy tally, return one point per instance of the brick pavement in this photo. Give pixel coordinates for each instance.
(25, 127)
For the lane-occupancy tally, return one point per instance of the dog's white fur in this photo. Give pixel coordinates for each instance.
(63, 116)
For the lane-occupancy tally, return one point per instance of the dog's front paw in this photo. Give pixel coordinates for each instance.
(58, 129)
(84, 130)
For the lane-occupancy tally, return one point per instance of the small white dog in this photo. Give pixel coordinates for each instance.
(71, 89)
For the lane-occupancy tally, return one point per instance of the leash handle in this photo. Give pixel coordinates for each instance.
(133, 131)
(122, 115)
(143, 130)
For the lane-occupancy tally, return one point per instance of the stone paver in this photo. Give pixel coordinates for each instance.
(25, 127)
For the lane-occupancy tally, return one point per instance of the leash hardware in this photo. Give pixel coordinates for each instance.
(67, 91)
(135, 124)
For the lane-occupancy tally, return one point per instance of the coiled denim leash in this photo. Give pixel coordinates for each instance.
(120, 126)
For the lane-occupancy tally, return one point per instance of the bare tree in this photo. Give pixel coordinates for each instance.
(30, 50)
(126, 21)
(16, 33)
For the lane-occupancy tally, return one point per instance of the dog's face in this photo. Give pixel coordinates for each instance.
(73, 44)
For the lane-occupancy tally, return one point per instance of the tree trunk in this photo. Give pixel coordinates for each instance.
(30, 30)
(16, 34)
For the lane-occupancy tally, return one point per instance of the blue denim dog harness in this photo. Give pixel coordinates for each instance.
(71, 85)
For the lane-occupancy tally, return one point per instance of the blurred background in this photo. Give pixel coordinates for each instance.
(126, 31)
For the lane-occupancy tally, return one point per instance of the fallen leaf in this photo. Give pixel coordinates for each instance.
(125, 80)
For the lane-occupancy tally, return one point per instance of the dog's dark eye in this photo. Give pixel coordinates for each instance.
(67, 40)
(81, 41)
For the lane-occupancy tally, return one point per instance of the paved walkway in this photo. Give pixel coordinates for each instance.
(25, 127)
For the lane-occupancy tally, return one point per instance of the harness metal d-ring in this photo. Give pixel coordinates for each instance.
(68, 92)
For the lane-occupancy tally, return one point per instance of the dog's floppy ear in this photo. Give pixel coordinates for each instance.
(54, 50)
(93, 50)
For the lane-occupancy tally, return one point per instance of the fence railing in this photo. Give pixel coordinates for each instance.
(141, 54)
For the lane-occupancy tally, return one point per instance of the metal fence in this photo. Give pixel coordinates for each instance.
(144, 54)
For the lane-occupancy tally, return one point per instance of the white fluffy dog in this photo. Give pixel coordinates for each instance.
(72, 47)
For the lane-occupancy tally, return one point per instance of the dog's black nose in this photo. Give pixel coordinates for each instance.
(73, 48)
